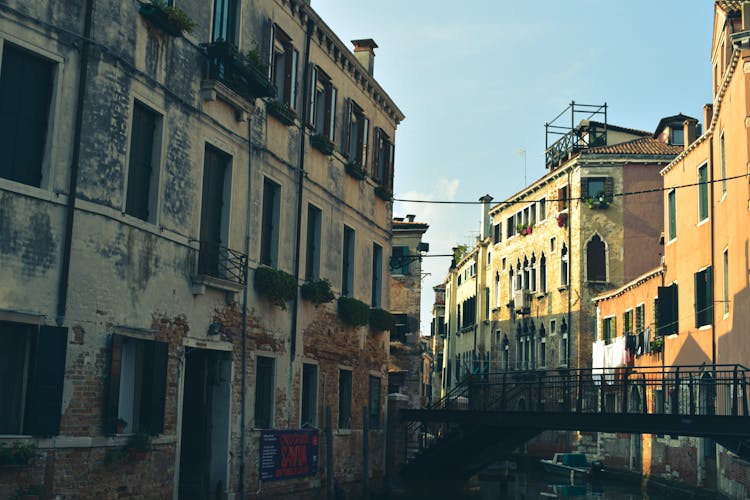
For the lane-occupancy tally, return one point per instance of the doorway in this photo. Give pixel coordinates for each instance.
(205, 424)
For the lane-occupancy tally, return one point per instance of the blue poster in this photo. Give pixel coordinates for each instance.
(287, 454)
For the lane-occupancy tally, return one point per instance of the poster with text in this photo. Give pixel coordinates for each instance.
(287, 454)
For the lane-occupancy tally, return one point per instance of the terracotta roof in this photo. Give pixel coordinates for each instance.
(640, 146)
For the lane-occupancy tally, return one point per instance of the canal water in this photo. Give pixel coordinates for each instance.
(532, 482)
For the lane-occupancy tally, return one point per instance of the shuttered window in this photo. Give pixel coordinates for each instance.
(141, 178)
(562, 198)
(269, 243)
(215, 166)
(25, 97)
(374, 402)
(32, 370)
(264, 389)
(312, 254)
(672, 213)
(345, 399)
(137, 384)
(347, 267)
(702, 192)
(598, 187)
(309, 417)
(377, 275)
(704, 297)
(282, 65)
(383, 159)
(356, 134)
(667, 310)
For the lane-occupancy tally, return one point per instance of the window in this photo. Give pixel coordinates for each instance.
(143, 164)
(725, 288)
(542, 209)
(282, 65)
(543, 274)
(672, 208)
(723, 165)
(497, 290)
(627, 322)
(25, 98)
(137, 384)
(400, 261)
(564, 265)
(542, 347)
(32, 370)
(532, 214)
(640, 318)
(562, 198)
(374, 402)
(382, 169)
(400, 327)
(322, 104)
(264, 392)
(597, 187)
(702, 192)
(506, 353)
(526, 285)
(564, 348)
(377, 275)
(533, 274)
(312, 255)
(596, 260)
(677, 136)
(345, 399)
(269, 236)
(357, 133)
(704, 301)
(552, 244)
(497, 233)
(215, 166)
(225, 21)
(609, 331)
(487, 303)
(309, 417)
(347, 268)
(667, 311)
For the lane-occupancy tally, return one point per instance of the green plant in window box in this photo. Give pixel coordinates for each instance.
(383, 193)
(597, 201)
(657, 345)
(281, 111)
(172, 20)
(244, 73)
(353, 312)
(524, 229)
(322, 143)
(355, 170)
(317, 291)
(381, 320)
(17, 453)
(275, 285)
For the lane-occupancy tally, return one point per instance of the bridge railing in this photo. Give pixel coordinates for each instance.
(678, 390)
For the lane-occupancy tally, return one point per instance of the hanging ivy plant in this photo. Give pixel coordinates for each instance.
(353, 312)
(381, 320)
(275, 285)
(317, 291)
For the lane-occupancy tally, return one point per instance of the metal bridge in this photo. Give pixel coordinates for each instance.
(492, 413)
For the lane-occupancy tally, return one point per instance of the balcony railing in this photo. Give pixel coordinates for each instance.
(240, 72)
(221, 262)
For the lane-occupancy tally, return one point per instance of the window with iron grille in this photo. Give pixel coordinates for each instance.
(345, 399)
(26, 82)
(269, 236)
(32, 371)
(264, 388)
(309, 415)
(140, 200)
(374, 402)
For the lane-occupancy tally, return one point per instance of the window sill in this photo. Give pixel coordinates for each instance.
(213, 90)
(704, 327)
(541, 295)
(201, 281)
(562, 288)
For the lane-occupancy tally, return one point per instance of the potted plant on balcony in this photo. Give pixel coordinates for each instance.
(524, 229)
(353, 312)
(172, 20)
(383, 193)
(322, 143)
(562, 219)
(281, 111)
(381, 320)
(244, 73)
(317, 291)
(275, 285)
(657, 345)
(599, 200)
(138, 446)
(354, 169)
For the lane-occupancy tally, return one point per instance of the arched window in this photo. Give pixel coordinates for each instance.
(526, 274)
(533, 273)
(542, 346)
(506, 353)
(497, 289)
(564, 265)
(543, 274)
(596, 263)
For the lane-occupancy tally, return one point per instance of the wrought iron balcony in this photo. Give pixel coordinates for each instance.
(221, 262)
(243, 73)
(573, 137)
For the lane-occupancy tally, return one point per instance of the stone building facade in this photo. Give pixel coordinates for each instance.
(150, 183)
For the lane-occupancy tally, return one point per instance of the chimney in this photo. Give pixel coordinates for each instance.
(364, 51)
(708, 113)
(410, 217)
(688, 127)
(486, 222)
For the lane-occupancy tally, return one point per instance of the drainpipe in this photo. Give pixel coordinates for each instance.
(713, 252)
(300, 184)
(570, 262)
(243, 412)
(62, 289)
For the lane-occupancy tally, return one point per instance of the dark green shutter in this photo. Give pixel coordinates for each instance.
(154, 386)
(140, 164)
(585, 187)
(47, 374)
(609, 190)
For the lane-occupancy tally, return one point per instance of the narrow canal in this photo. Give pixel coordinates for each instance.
(532, 482)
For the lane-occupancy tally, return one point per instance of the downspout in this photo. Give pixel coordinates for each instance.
(300, 184)
(62, 289)
(713, 254)
(570, 262)
(243, 412)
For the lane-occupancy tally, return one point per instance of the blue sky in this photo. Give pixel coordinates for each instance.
(478, 82)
